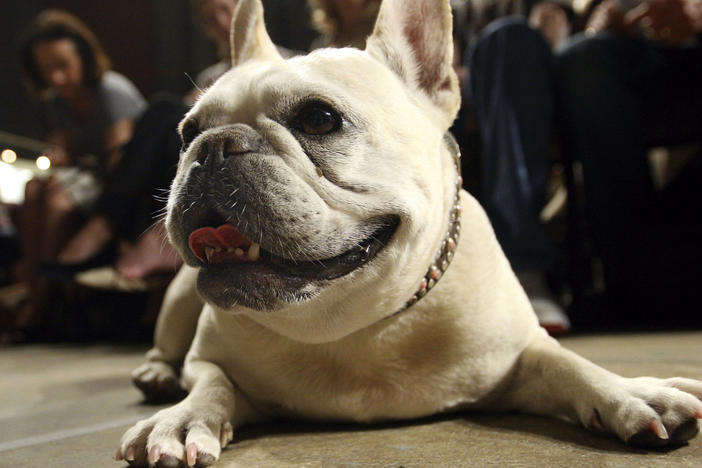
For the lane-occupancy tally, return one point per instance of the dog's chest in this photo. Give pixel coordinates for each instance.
(360, 378)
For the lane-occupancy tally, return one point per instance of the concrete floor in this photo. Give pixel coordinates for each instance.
(67, 406)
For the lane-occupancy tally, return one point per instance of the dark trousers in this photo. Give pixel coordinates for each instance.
(618, 97)
(136, 191)
(512, 97)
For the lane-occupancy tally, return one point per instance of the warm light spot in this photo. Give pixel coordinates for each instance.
(8, 156)
(581, 5)
(43, 162)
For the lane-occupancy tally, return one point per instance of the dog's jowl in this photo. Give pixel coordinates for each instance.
(345, 274)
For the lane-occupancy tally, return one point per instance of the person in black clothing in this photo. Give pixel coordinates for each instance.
(511, 93)
(629, 83)
(129, 203)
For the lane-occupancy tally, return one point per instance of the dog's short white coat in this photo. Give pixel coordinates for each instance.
(472, 342)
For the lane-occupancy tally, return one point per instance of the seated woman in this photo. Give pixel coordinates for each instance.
(127, 211)
(88, 114)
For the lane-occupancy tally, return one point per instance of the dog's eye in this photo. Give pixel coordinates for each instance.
(191, 130)
(318, 119)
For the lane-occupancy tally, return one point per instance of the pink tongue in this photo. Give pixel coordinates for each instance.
(224, 237)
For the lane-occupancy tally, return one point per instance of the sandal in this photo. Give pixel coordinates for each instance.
(108, 278)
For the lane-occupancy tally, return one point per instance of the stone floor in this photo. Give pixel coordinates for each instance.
(66, 406)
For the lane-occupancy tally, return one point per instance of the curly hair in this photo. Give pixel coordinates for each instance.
(52, 25)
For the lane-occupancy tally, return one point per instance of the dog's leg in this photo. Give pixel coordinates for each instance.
(158, 378)
(193, 432)
(645, 411)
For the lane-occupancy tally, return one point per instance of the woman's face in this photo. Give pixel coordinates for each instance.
(60, 66)
(216, 17)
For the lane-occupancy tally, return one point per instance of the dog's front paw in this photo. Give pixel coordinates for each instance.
(158, 381)
(180, 436)
(649, 412)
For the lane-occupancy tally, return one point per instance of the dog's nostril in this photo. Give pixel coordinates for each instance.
(225, 149)
(202, 155)
(233, 140)
(235, 146)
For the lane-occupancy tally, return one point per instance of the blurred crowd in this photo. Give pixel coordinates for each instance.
(559, 97)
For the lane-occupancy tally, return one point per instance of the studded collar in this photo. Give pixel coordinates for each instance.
(450, 240)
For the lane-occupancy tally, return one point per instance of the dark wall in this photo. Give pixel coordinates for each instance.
(16, 113)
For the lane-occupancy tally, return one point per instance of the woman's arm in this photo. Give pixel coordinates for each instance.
(671, 22)
(57, 151)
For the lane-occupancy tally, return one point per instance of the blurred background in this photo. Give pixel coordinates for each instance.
(599, 214)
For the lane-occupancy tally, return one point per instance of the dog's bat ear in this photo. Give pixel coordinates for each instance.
(414, 39)
(249, 37)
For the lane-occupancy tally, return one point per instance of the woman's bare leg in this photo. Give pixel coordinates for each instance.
(61, 218)
(88, 241)
(49, 217)
(30, 228)
(153, 253)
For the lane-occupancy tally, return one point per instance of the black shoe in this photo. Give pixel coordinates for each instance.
(25, 335)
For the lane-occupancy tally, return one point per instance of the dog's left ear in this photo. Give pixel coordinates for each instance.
(249, 37)
(414, 38)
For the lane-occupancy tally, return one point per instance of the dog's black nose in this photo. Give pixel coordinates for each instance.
(223, 142)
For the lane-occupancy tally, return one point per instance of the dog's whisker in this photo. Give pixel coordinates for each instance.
(194, 83)
(159, 215)
(189, 207)
(375, 239)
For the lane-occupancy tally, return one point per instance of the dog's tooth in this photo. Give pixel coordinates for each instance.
(254, 251)
(209, 251)
(239, 252)
(230, 249)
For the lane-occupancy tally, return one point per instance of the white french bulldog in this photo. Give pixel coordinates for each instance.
(345, 273)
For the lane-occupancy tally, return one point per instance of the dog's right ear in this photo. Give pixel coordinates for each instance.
(414, 39)
(249, 37)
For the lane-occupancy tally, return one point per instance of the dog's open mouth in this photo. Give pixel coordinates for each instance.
(226, 246)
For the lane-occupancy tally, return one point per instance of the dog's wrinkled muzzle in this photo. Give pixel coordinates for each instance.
(222, 143)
